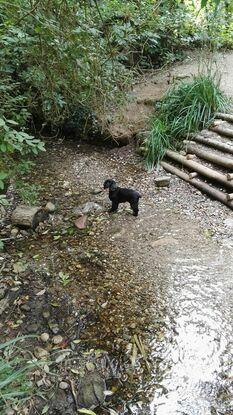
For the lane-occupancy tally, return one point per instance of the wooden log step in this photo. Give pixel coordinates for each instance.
(225, 117)
(214, 143)
(222, 130)
(206, 155)
(204, 187)
(203, 170)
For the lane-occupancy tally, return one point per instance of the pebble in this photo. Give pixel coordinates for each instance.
(32, 328)
(46, 314)
(63, 385)
(66, 184)
(14, 232)
(44, 337)
(50, 207)
(25, 307)
(40, 353)
(57, 339)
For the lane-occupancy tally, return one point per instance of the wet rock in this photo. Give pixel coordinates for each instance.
(63, 385)
(4, 304)
(162, 181)
(89, 207)
(44, 337)
(50, 207)
(57, 339)
(41, 353)
(91, 390)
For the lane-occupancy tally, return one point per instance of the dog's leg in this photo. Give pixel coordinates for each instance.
(134, 207)
(114, 206)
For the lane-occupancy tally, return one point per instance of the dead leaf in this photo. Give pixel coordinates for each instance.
(41, 292)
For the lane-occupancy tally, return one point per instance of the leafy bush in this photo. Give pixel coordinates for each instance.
(186, 108)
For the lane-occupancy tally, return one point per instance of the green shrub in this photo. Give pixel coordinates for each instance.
(186, 108)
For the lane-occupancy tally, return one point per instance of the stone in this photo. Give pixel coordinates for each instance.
(44, 337)
(4, 304)
(162, 181)
(81, 222)
(32, 328)
(3, 289)
(66, 185)
(50, 207)
(57, 339)
(89, 207)
(40, 353)
(53, 327)
(14, 232)
(46, 314)
(25, 307)
(91, 390)
(228, 222)
(63, 385)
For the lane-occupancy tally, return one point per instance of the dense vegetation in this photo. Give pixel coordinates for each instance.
(186, 108)
(64, 62)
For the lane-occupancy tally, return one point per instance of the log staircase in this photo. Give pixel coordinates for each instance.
(207, 160)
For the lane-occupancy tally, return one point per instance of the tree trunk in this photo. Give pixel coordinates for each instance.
(28, 216)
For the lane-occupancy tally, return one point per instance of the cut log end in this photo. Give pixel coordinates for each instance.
(28, 216)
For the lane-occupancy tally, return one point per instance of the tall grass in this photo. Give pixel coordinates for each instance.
(186, 108)
(15, 384)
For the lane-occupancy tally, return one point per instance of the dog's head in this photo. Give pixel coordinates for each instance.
(110, 184)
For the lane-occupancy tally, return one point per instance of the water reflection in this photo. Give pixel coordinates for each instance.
(195, 363)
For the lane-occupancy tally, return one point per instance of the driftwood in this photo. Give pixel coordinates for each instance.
(222, 130)
(195, 166)
(28, 216)
(214, 143)
(226, 117)
(206, 155)
(229, 176)
(204, 187)
(230, 196)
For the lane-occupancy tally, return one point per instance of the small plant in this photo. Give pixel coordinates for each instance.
(64, 279)
(186, 108)
(15, 384)
(29, 193)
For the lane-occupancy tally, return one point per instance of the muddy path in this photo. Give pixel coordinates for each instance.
(147, 301)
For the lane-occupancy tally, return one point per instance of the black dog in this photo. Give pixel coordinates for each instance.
(121, 195)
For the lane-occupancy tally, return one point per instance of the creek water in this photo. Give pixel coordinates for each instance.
(193, 360)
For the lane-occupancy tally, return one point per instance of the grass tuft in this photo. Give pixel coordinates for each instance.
(185, 109)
